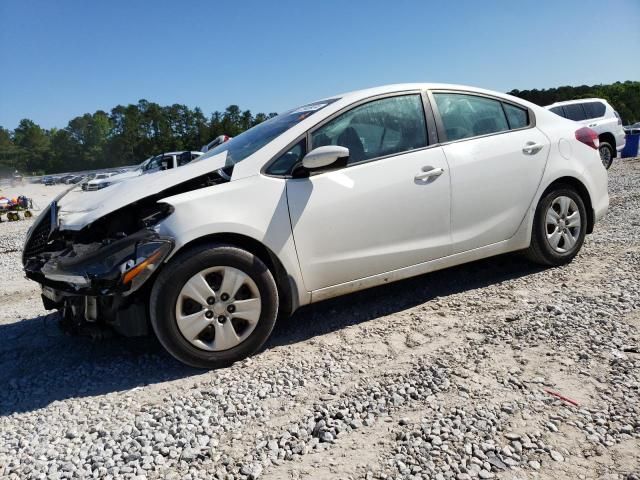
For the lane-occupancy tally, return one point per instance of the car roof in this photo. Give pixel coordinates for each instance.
(579, 100)
(178, 153)
(354, 96)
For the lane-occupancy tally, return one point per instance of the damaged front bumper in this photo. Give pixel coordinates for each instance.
(97, 282)
(118, 266)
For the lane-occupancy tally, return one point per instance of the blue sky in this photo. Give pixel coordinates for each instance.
(60, 59)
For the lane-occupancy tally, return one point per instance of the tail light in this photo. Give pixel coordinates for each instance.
(618, 117)
(588, 137)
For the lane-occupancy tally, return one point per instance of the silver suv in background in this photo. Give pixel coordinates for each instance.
(598, 115)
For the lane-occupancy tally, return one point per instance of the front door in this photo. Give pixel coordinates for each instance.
(388, 208)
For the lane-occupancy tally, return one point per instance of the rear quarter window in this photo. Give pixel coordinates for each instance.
(516, 116)
(594, 109)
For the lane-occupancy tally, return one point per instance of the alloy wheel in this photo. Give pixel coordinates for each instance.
(218, 308)
(563, 224)
(605, 156)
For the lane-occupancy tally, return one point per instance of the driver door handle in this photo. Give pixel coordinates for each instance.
(531, 148)
(428, 172)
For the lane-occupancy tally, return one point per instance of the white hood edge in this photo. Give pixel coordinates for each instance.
(79, 208)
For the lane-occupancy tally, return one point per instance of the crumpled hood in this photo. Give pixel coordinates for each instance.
(79, 208)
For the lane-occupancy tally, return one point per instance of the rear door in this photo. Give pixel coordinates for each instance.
(496, 157)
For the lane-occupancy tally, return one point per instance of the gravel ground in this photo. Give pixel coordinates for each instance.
(445, 376)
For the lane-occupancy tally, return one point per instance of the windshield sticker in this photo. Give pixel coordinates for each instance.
(310, 108)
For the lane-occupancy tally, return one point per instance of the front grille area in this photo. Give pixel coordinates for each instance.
(37, 239)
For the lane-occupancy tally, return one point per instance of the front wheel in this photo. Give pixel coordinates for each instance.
(559, 227)
(606, 154)
(214, 305)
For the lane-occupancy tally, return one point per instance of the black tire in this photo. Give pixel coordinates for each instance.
(169, 283)
(540, 251)
(607, 154)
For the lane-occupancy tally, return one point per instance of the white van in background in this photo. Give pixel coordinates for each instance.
(598, 115)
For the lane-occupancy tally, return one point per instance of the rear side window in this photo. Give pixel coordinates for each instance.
(558, 111)
(379, 128)
(574, 111)
(184, 158)
(517, 117)
(594, 109)
(466, 116)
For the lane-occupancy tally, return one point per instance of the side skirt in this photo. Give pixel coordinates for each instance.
(517, 242)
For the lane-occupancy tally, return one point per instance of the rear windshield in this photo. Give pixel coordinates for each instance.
(249, 142)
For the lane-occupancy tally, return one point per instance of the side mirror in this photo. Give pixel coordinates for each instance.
(324, 156)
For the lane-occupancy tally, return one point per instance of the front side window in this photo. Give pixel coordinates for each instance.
(155, 162)
(575, 112)
(376, 129)
(186, 157)
(465, 116)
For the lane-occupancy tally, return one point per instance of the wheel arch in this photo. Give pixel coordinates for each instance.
(582, 191)
(609, 138)
(287, 290)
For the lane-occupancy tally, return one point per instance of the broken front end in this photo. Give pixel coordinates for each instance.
(98, 276)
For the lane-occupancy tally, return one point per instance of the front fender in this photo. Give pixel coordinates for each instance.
(254, 207)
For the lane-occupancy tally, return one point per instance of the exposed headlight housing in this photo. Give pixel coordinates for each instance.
(119, 266)
(157, 214)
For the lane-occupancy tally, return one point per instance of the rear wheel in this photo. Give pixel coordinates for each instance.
(606, 154)
(559, 227)
(214, 305)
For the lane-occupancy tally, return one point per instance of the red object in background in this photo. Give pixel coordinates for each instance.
(561, 397)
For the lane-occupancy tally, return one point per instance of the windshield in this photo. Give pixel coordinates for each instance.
(249, 142)
(144, 164)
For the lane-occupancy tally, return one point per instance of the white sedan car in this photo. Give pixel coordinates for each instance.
(335, 196)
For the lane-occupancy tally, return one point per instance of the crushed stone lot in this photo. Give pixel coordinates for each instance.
(444, 376)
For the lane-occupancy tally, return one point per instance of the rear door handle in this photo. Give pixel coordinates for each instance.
(428, 172)
(531, 148)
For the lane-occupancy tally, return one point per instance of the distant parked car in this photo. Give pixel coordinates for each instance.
(72, 179)
(48, 181)
(64, 178)
(164, 161)
(598, 115)
(97, 180)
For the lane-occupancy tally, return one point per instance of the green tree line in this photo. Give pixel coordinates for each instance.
(128, 134)
(624, 97)
(125, 136)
